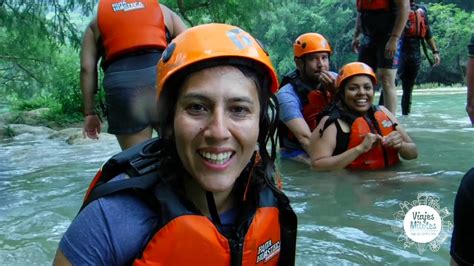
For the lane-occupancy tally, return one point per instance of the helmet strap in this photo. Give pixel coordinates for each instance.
(211, 204)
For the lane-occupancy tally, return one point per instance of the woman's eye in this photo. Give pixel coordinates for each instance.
(196, 108)
(240, 110)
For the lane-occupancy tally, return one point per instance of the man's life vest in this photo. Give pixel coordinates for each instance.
(130, 26)
(313, 100)
(376, 122)
(373, 5)
(417, 25)
(265, 234)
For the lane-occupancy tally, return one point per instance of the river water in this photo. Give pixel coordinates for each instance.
(344, 217)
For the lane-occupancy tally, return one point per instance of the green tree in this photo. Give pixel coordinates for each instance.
(452, 29)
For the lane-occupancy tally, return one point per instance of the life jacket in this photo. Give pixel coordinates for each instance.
(266, 234)
(313, 100)
(130, 25)
(416, 26)
(378, 157)
(374, 5)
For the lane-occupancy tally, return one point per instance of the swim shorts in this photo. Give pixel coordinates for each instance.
(372, 52)
(130, 94)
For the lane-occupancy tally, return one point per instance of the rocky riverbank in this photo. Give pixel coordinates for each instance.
(30, 123)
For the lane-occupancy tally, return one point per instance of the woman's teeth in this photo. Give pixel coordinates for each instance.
(216, 158)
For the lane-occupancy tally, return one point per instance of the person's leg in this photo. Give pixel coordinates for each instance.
(386, 73)
(128, 140)
(408, 70)
(386, 77)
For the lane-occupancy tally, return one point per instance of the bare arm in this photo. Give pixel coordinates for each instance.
(88, 76)
(357, 32)
(403, 8)
(322, 148)
(89, 58)
(173, 22)
(431, 42)
(399, 139)
(300, 129)
(60, 259)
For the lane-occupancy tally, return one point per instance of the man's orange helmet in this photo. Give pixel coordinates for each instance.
(354, 69)
(211, 42)
(311, 43)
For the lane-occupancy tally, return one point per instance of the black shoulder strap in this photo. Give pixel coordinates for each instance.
(135, 161)
(288, 77)
(335, 112)
(139, 163)
(143, 183)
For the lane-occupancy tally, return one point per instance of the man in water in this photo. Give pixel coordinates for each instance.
(470, 82)
(305, 92)
(416, 33)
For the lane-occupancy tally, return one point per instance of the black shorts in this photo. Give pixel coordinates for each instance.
(130, 94)
(372, 52)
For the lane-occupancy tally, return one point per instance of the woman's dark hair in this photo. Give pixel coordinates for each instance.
(267, 123)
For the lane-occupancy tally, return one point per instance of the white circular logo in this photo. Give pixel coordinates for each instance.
(422, 224)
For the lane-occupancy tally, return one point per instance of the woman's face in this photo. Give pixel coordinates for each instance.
(359, 94)
(216, 125)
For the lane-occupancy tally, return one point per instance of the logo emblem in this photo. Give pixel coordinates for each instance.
(421, 223)
(267, 251)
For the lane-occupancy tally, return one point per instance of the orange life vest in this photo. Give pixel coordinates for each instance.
(267, 236)
(378, 157)
(417, 25)
(317, 101)
(130, 25)
(373, 5)
(192, 239)
(313, 100)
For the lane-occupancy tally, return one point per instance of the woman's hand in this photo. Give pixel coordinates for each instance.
(369, 141)
(394, 140)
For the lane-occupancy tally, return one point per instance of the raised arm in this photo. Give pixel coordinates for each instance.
(173, 22)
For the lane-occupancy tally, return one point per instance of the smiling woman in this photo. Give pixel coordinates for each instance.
(355, 134)
(212, 188)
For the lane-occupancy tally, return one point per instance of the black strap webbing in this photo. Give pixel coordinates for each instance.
(141, 182)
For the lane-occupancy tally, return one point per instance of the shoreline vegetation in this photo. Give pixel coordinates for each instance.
(45, 73)
(28, 117)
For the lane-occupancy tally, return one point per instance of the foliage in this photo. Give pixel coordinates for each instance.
(452, 31)
(280, 27)
(43, 72)
(39, 39)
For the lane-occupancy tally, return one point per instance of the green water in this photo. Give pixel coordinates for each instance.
(344, 217)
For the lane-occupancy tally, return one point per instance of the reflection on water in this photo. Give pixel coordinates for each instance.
(344, 217)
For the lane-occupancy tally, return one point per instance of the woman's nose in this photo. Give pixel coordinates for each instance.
(217, 127)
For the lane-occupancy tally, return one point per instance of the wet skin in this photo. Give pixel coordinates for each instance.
(216, 126)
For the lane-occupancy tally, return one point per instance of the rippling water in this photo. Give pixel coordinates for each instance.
(344, 217)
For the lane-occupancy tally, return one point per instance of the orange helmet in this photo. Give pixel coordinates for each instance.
(311, 43)
(354, 69)
(205, 43)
